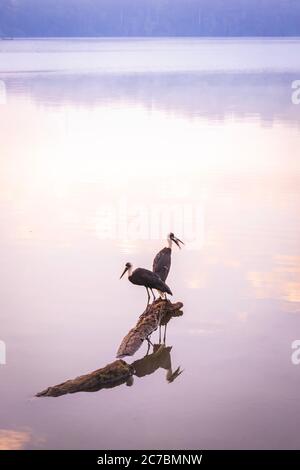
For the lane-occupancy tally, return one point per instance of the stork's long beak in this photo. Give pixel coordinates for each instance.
(126, 269)
(177, 241)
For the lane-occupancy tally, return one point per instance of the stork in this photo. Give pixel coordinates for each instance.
(146, 278)
(162, 261)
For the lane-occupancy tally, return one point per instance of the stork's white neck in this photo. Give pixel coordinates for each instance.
(130, 271)
(170, 242)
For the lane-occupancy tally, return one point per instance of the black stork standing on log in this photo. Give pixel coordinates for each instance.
(162, 261)
(146, 278)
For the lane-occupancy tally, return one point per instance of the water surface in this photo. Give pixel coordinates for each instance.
(92, 136)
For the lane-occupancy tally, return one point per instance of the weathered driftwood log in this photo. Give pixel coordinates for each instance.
(119, 371)
(112, 375)
(158, 313)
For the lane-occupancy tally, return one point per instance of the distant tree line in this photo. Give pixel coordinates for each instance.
(22, 18)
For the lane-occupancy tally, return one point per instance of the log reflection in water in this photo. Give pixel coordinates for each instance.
(119, 371)
(110, 376)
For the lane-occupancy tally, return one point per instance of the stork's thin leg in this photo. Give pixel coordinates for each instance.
(159, 324)
(148, 341)
(154, 298)
(165, 333)
(148, 295)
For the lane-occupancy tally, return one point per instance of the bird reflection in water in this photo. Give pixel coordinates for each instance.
(160, 358)
(120, 372)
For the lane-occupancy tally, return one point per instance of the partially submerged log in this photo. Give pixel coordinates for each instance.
(119, 371)
(158, 313)
(112, 375)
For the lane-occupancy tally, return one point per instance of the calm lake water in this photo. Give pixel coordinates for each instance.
(96, 136)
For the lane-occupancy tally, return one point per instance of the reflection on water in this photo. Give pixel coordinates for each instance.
(218, 96)
(77, 146)
(120, 372)
(159, 358)
(13, 440)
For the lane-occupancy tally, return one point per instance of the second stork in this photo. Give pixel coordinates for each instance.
(162, 261)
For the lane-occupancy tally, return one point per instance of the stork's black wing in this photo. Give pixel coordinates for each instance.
(144, 277)
(162, 263)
